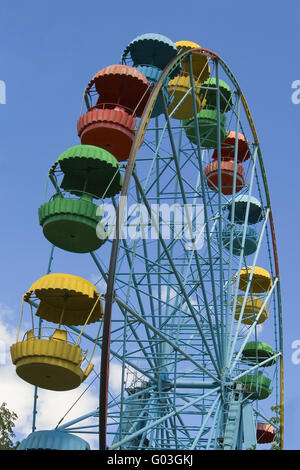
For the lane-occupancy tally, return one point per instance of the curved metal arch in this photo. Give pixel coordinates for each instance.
(274, 243)
(109, 297)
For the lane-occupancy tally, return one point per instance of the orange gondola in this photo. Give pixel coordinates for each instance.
(227, 176)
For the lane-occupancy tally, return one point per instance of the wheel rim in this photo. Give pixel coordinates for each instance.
(223, 356)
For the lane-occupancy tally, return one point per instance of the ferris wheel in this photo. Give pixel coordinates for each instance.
(168, 194)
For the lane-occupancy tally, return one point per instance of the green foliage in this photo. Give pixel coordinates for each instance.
(275, 421)
(252, 447)
(7, 423)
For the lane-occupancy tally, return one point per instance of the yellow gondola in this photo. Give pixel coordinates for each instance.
(201, 70)
(66, 299)
(252, 308)
(53, 363)
(177, 89)
(261, 280)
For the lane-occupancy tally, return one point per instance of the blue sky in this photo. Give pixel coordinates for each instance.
(48, 52)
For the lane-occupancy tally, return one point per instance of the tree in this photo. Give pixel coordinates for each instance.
(7, 423)
(275, 420)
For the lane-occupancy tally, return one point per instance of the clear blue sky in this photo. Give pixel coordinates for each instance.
(48, 52)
